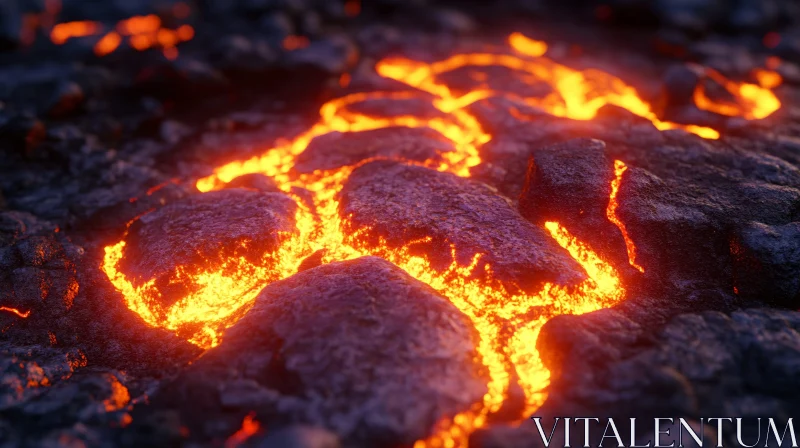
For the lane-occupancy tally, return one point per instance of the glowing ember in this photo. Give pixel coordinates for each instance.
(526, 46)
(65, 31)
(139, 25)
(352, 7)
(250, 427)
(611, 213)
(15, 311)
(493, 307)
(107, 44)
(142, 32)
(120, 397)
(294, 42)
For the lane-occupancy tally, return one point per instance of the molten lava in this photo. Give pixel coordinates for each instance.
(611, 213)
(750, 101)
(768, 79)
(250, 427)
(15, 311)
(65, 31)
(499, 312)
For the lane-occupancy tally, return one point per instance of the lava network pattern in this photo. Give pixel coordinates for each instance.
(222, 293)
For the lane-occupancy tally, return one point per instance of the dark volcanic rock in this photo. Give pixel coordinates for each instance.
(396, 107)
(336, 149)
(333, 55)
(27, 366)
(204, 229)
(240, 55)
(680, 82)
(49, 398)
(10, 25)
(21, 133)
(681, 198)
(358, 347)
(66, 98)
(505, 158)
(37, 278)
(767, 263)
(112, 209)
(682, 216)
(700, 364)
(404, 204)
(183, 78)
(570, 183)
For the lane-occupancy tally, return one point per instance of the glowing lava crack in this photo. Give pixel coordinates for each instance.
(224, 293)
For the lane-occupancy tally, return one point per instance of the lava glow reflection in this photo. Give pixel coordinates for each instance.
(499, 312)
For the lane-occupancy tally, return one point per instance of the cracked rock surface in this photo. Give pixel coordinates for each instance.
(357, 346)
(204, 230)
(356, 353)
(417, 203)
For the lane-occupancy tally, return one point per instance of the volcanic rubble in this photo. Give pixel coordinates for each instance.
(97, 150)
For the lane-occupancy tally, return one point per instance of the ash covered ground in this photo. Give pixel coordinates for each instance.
(104, 143)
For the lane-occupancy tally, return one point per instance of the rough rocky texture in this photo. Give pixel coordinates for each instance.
(682, 216)
(699, 358)
(88, 143)
(682, 197)
(505, 158)
(37, 278)
(404, 204)
(202, 230)
(33, 365)
(709, 363)
(336, 149)
(767, 263)
(358, 347)
(52, 387)
(570, 183)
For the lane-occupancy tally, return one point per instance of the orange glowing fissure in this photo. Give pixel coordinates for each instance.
(611, 213)
(15, 311)
(222, 294)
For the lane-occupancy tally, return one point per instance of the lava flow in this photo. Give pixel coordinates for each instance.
(15, 311)
(142, 32)
(499, 312)
(750, 101)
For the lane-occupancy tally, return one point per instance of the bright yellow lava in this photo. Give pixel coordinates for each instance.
(750, 101)
(499, 312)
(611, 213)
